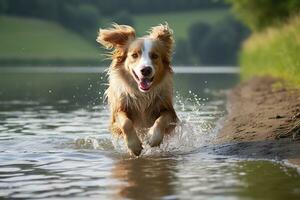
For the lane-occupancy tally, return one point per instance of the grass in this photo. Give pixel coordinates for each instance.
(178, 21)
(32, 41)
(275, 52)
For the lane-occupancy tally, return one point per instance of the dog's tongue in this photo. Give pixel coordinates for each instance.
(145, 84)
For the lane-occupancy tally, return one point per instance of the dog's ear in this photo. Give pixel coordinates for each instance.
(116, 37)
(165, 35)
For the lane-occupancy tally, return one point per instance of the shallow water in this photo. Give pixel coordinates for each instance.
(54, 144)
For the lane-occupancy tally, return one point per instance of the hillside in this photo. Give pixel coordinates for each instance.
(33, 42)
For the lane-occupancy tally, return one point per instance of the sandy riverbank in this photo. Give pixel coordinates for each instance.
(263, 121)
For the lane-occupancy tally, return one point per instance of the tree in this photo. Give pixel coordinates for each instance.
(87, 17)
(82, 18)
(196, 34)
(217, 44)
(259, 14)
(123, 17)
(182, 55)
(46, 9)
(3, 6)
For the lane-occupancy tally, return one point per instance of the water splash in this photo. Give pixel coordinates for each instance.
(198, 118)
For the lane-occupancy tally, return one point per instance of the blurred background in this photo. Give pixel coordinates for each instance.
(63, 32)
(262, 37)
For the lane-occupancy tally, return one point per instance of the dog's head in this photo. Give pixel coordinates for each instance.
(146, 59)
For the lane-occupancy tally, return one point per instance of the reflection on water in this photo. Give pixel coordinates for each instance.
(54, 143)
(146, 178)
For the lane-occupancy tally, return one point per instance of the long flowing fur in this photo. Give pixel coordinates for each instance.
(123, 95)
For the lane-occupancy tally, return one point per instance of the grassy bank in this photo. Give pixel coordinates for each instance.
(36, 42)
(275, 52)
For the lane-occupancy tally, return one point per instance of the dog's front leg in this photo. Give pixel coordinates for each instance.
(164, 124)
(133, 142)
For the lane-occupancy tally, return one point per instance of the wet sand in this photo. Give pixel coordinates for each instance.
(263, 121)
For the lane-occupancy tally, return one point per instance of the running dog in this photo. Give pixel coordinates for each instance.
(140, 88)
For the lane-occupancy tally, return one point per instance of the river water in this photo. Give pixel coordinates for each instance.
(54, 144)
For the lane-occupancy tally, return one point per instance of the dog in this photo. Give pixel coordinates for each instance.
(140, 91)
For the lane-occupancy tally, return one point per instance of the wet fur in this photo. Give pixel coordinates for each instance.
(130, 108)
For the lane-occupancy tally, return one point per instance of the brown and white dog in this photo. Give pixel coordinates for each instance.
(140, 88)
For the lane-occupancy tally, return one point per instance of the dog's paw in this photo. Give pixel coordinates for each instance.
(134, 145)
(156, 136)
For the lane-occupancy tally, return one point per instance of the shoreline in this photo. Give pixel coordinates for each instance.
(263, 121)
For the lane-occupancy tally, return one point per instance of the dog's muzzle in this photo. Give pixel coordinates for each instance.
(144, 78)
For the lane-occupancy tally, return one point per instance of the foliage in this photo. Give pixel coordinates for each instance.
(123, 17)
(182, 55)
(82, 18)
(259, 14)
(217, 44)
(197, 33)
(275, 51)
(112, 7)
(3, 6)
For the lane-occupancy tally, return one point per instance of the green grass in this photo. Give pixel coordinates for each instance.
(178, 21)
(32, 41)
(275, 52)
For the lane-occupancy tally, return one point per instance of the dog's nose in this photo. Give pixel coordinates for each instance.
(146, 71)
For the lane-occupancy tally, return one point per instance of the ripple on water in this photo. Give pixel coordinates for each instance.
(58, 151)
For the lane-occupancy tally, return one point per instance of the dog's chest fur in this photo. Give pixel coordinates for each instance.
(142, 108)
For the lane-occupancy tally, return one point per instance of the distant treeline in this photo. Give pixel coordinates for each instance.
(54, 9)
(85, 16)
(215, 45)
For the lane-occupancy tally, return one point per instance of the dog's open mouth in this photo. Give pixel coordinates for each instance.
(144, 83)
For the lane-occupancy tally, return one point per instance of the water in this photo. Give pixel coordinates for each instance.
(54, 144)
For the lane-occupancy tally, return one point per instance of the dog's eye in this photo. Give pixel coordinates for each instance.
(134, 55)
(153, 56)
